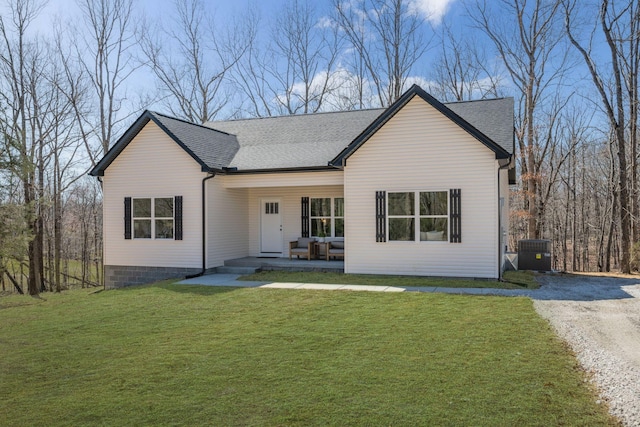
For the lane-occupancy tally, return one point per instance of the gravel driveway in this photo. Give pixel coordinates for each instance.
(600, 318)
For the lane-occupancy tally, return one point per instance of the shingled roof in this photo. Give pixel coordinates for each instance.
(492, 117)
(315, 140)
(312, 141)
(211, 148)
(299, 141)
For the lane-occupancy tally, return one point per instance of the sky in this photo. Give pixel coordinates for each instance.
(433, 10)
(436, 12)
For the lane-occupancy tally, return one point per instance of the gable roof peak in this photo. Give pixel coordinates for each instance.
(413, 91)
(212, 149)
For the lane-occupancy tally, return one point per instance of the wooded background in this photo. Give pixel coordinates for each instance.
(69, 89)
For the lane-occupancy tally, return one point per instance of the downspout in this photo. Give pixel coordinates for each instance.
(500, 233)
(204, 227)
(102, 275)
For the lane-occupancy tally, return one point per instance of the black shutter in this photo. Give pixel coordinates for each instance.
(381, 216)
(177, 217)
(305, 216)
(127, 217)
(455, 216)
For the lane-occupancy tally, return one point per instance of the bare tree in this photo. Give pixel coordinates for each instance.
(297, 71)
(388, 38)
(104, 52)
(191, 60)
(462, 70)
(526, 37)
(619, 27)
(20, 59)
(310, 50)
(66, 159)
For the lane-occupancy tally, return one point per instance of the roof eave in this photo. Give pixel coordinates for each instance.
(234, 171)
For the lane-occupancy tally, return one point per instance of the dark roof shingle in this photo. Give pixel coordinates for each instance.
(314, 140)
(214, 147)
(311, 140)
(493, 117)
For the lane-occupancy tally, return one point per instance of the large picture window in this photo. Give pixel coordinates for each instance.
(153, 217)
(327, 217)
(428, 222)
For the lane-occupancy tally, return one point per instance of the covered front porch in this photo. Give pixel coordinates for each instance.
(286, 264)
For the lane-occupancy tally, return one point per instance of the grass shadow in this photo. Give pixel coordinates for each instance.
(172, 285)
(203, 290)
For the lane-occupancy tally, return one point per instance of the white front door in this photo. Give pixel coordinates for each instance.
(270, 227)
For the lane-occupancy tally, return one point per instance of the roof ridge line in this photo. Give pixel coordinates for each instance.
(478, 100)
(190, 123)
(299, 115)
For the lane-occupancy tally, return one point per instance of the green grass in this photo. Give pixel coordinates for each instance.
(522, 278)
(519, 280)
(69, 267)
(185, 355)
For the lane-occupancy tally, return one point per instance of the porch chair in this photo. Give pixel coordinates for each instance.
(335, 248)
(302, 246)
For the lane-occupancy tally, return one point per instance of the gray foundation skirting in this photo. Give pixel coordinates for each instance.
(120, 276)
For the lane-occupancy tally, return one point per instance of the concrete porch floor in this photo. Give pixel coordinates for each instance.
(286, 264)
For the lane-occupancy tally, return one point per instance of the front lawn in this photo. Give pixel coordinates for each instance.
(186, 355)
(512, 280)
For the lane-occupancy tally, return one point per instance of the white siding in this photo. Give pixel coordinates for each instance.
(291, 212)
(284, 179)
(419, 149)
(227, 220)
(152, 165)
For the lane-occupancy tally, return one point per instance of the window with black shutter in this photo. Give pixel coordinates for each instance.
(381, 216)
(424, 216)
(127, 218)
(455, 213)
(304, 217)
(153, 218)
(177, 216)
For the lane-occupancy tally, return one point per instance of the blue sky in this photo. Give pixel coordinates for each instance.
(160, 12)
(437, 12)
(434, 10)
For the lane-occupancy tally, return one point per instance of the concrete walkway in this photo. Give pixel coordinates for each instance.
(230, 280)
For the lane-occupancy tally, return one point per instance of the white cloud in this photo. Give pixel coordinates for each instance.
(341, 91)
(432, 10)
(325, 22)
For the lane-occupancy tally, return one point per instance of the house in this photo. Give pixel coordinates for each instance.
(419, 188)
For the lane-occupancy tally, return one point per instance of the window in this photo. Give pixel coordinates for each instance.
(338, 217)
(271, 208)
(163, 218)
(434, 215)
(429, 222)
(157, 222)
(327, 216)
(401, 216)
(142, 218)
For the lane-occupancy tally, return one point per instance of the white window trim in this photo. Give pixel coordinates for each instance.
(331, 218)
(152, 218)
(416, 216)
